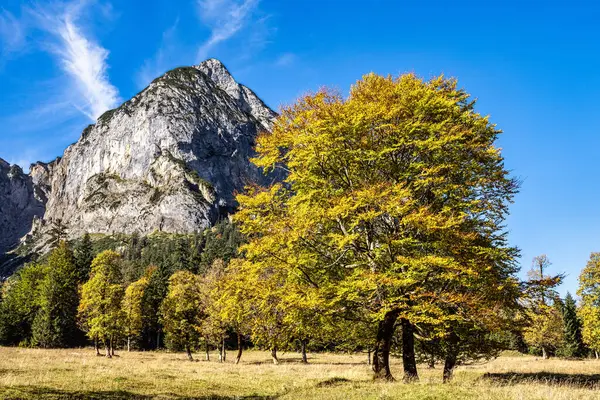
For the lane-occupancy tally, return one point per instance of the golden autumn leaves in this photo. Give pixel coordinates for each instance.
(393, 204)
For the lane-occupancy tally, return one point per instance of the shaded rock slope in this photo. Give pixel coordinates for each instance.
(20, 202)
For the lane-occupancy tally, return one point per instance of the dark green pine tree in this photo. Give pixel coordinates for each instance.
(573, 339)
(221, 242)
(180, 254)
(84, 254)
(195, 252)
(58, 233)
(55, 324)
(158, 282)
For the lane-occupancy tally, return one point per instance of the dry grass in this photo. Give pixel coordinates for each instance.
(79, 374)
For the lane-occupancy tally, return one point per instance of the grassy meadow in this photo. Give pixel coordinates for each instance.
(80, 374)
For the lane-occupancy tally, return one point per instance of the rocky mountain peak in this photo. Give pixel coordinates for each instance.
(169, 159)
(245, 98)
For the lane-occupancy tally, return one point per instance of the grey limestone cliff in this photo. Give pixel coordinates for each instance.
(170, 159)
(20, 203)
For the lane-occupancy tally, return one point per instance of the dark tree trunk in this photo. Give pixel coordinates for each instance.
(112, 349)
(274, 355)
(408, 351)
(240, 349)
(381, 355)
(207, 350)
(188, 350)
(303, 350)
(451, 357)
(157, 339)
(369, 356)
(96, 346)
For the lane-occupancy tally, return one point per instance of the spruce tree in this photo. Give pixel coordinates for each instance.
(572, 324)
(153, 296)
(55, 324)
(84, 254)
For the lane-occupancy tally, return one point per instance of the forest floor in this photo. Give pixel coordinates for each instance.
(79, 374)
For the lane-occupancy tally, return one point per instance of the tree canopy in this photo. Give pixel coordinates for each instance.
(392, 207)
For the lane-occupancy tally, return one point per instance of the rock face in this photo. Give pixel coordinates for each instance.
(170, 159)
(20, 203)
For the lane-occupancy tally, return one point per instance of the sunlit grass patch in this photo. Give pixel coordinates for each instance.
(79, 374)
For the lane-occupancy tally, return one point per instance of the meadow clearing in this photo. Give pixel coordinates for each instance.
(79, 374)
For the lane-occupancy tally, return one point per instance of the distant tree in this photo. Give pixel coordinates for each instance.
(100, 309)
(195, 252)
(132, 306)
(573, 341)
(180, 255)
(57, 233)
(214, 325)
(221, 243)
(589, 312)
(55, 324)
(541, 287)
(84, 255)
(20, 304)
(230, 301)
(182, 311)
(152, 328)
(278, 309)
(546, 325)
(545, 330)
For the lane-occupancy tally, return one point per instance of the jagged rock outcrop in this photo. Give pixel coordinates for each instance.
(41, 176)
(20, 203)
(170, 159)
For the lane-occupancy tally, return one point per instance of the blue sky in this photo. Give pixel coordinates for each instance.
(533, 65)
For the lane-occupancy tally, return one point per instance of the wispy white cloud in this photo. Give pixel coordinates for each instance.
(81, 58)
(12, 34)
(285, 60)
(224, 18)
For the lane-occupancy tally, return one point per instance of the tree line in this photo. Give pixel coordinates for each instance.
(386, 236)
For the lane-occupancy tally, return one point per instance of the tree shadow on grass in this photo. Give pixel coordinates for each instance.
(299, 362)
(548, 378)
(45, 393)
(335, 381)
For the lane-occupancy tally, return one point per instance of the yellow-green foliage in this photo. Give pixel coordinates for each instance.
(230, 298)
(132, 306)
(182, 310)
(100, 309)
(589, 311)
(546, 328)
(393, 202)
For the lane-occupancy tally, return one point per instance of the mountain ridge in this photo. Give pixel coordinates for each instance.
(168, 159)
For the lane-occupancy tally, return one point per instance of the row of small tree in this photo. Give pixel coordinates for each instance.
(561, 327)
